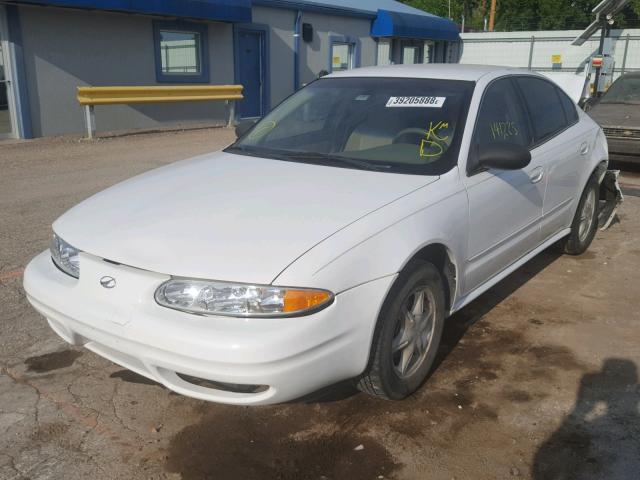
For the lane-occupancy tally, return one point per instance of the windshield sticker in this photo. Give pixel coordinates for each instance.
(424, 102)
(435, 142)
(262, 130)
(363, 98)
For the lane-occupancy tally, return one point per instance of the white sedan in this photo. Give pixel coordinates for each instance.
(332, 240)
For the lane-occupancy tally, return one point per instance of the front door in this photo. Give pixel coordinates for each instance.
(251, 61)
(6, 123)
(505, 206)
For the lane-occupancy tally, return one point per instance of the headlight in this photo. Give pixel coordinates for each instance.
(65, 256)
(240, 300)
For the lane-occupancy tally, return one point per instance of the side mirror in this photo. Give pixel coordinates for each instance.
(244, 126)
(505, 156)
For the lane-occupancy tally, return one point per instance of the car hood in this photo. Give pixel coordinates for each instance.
(616, 115)
(227, 217)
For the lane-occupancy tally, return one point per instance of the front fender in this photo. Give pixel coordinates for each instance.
(381, 244)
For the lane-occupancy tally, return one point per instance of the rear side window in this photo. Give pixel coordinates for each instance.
(501, 118)
(569, 107)
(545, 108)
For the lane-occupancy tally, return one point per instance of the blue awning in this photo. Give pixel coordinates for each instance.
(221, 10)
(408, 25)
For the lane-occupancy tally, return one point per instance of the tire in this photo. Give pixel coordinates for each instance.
(585, 221)
(396, 375)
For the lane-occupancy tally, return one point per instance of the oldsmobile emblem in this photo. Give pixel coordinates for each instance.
(108, 282)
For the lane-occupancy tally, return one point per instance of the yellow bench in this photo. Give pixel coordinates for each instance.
(91, 96)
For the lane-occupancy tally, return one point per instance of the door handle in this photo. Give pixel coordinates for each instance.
(537, 175)
(584, 148)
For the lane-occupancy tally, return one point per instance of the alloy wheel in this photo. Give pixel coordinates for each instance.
(587, 216)
(413, 332)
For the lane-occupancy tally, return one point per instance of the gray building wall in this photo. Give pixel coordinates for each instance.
(314, 56)
(65, 49)
(281, 23)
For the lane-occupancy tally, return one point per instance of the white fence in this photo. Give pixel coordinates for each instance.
(548, 50)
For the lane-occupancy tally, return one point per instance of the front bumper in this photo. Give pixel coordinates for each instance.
(624, 150)
(291, 357)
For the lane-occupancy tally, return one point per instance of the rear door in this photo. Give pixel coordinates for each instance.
(564, 146)
(505, 207)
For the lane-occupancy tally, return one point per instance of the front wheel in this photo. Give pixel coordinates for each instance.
(585, 222)
(407, 334)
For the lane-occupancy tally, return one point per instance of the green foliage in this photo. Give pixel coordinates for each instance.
(527, 14)
(441, 7)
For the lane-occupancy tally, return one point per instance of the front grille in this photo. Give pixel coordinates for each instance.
(630, 133)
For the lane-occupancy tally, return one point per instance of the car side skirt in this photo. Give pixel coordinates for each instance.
(461, 302)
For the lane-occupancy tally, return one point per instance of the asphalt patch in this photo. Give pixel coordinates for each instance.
(52, 361)
(276, 443)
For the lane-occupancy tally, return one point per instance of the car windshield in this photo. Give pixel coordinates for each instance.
(400, 125)
(624, 90)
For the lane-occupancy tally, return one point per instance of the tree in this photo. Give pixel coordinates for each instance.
(516, 15)
(441, 7)
(527, 14)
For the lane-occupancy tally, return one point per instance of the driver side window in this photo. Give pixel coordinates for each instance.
(501, 119)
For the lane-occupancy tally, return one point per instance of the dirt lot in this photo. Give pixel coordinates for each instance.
(537, 379)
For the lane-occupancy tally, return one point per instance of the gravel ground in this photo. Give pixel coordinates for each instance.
(538, 378)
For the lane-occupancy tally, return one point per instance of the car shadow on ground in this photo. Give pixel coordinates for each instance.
(457, 325)
(600, 437)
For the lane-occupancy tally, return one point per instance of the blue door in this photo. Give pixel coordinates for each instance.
(251, 48)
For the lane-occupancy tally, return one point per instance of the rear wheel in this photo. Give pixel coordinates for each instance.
(585, 222)
(407, 334)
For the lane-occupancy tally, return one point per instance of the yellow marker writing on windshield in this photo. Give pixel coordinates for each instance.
(432, 140)
(431, 133)
(426, 144)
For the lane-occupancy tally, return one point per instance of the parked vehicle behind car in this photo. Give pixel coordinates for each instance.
(332, 240)
(618, 113)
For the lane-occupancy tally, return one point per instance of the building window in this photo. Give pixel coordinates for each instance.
(181, 52)
(341, 56)
(384, 52)
(412, 52)
(344, 53)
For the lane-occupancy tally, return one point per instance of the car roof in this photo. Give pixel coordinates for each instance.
(439, 71)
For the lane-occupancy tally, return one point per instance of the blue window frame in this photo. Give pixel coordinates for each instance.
(344, 53)
(181, 52)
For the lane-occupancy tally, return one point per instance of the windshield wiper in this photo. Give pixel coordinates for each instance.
(344, 161)
(310, 157)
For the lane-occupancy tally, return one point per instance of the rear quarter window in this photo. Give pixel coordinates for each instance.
(569, 107)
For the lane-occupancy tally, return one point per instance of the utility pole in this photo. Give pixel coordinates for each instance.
(604, 33)
(449, 9)
(492, 15)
